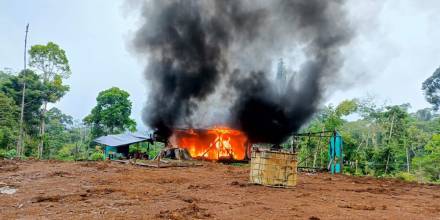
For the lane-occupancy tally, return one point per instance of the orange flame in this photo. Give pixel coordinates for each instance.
(218, 143)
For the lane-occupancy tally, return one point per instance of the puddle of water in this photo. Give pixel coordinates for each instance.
(7, 190)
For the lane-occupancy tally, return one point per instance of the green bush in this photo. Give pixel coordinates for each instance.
(65, 153)
(139, 147)
(405, 176)
(8, 153)
(11, 153)
(155, 149)
(97, 155)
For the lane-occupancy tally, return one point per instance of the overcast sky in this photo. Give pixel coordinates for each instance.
(397, 47)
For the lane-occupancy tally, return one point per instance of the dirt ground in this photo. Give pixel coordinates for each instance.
(89, 190)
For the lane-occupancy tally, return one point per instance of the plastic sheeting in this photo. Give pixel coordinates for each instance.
(335, 153)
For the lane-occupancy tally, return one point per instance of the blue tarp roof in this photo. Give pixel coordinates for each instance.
(122, 139)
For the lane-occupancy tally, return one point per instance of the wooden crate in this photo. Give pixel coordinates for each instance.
(273, 168)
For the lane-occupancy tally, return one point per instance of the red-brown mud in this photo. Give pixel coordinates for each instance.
(103, 190)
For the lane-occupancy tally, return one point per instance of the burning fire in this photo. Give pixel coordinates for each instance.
(218, 143)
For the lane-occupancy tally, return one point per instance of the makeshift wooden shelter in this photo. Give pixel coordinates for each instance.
(117, 146)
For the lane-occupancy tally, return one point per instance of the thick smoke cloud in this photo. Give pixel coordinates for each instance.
(197, 50)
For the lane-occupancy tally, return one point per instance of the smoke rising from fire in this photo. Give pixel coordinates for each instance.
(200, 52)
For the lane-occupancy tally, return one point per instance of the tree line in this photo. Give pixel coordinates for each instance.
(49, 133)
(381, 140)
(384, 140)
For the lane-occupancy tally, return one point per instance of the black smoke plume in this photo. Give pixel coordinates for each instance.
(197, 50)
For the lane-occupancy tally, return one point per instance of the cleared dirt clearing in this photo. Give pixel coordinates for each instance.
(84, 190)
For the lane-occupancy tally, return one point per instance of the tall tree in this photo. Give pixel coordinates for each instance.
(425, 114)
(333, 117)
(58, 131)
(52, 64)
(328, 118)
(395, 121)
(33, 98)
(8, 121)
(431, 87)
(429, 162)
(4, 77)
(111, 113)
(12, 87)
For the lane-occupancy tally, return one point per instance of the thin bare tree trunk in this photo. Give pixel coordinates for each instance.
(407, 160)
(320, 157)
(391, 129)
(386, 165)
(373, 138)
(20, 137)
(366, 143)
(356, 165)
(20, 142)
(407, 156)
(42, 131)
(389, 139)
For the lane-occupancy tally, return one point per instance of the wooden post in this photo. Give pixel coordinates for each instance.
(158, 159)
(341, 162)
(317, 148)
(320, 157)
(307, 149)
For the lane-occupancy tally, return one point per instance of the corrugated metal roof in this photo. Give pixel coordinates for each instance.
(122, 139)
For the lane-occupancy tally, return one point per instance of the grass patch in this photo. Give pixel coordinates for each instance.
(239, 164)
